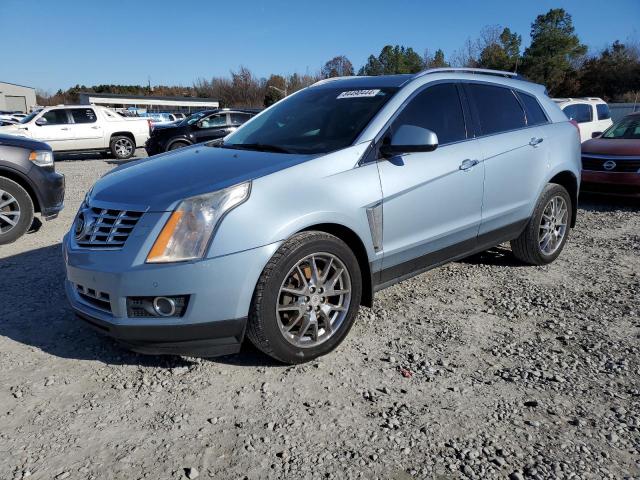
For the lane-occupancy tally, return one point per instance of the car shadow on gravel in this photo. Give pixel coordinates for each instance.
(499, 256)
(34, 311)
(606, 203)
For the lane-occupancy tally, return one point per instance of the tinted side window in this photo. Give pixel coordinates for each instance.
(214, 121)
(437, 108)
(56, 117)
(239, 118)
(83, 115)
(498, 108)
(580, 112)
(535, 114)
(603, 111)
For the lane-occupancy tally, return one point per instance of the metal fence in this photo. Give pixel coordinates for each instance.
(619, 110)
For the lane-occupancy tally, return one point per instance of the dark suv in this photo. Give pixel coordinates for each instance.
(28, 184)
(199, 127)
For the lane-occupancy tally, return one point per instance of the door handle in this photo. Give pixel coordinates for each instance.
(467, 164)
(535, 141)
(64, 128)
(95, 127)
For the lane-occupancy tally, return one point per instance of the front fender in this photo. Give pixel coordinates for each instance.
(330, 189)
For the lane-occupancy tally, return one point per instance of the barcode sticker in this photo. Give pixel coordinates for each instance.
(358, 93)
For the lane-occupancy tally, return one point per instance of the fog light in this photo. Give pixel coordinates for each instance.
(164, 306)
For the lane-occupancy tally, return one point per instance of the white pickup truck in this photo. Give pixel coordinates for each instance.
(76, 128)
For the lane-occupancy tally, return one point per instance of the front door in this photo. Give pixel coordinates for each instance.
(431, 201)
(211, 128)
(53, 127)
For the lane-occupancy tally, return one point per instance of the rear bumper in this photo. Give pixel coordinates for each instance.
(613, 183)
(203, 339)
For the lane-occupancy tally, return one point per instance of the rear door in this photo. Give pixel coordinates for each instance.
(514, 155)
(54, 129)
(431, 200)
(87, 129)
(603, 117)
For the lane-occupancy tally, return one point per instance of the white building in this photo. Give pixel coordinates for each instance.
(149, 103)
(16, 98)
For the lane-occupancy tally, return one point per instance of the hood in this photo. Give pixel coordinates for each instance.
(158, 183)
(612, 146)
(20, 141)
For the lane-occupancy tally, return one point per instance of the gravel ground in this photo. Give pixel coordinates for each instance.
(480, 369)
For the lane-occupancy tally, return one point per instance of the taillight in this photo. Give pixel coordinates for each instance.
(575, 124)
(150, 126)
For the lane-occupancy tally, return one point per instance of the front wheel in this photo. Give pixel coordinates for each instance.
(548, 229)
(306, 299)
(16, 211)
(122, 147)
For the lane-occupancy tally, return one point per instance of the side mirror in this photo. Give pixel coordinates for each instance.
(41, 121)
(409, 139)
(596, 134)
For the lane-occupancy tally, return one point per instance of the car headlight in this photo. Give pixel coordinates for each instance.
(190, 228)
(42, 158)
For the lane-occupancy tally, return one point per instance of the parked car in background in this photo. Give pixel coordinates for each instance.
(158, 118)
(200, 127)
(28, 184)
(79, 128)
(291, 222)
(591, 114)
(18, 116)
(611, 162)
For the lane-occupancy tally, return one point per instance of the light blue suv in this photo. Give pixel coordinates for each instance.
(286, 227)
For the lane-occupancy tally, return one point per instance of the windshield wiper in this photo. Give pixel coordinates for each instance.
(261, 147)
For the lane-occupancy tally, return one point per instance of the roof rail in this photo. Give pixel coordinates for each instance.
(479, 71)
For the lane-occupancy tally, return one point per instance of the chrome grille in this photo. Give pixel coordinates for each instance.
(596, 163)
(104, 228)
(90, 296)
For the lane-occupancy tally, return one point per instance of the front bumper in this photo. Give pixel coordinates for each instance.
(220, 291)
(612, 183)
(154, 146)
(49, 186)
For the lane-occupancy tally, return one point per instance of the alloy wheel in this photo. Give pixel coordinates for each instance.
(9, 212)
(313, 300)
(553, 225)
(123, 147)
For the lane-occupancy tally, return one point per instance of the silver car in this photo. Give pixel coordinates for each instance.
(281, 231)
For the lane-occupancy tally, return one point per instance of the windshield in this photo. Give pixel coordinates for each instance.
(29, 117)
(315, 120)
(628, 127)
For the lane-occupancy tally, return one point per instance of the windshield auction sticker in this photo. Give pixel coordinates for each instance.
(358, 94)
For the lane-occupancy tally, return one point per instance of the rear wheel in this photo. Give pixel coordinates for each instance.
(122, 147)
(307, 298)
(548, 229)
(16, 211)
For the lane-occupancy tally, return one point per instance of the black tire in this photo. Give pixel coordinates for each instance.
(526, 247)
(127, 144)
(177, 145)
(25, 204)
(263, 328)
